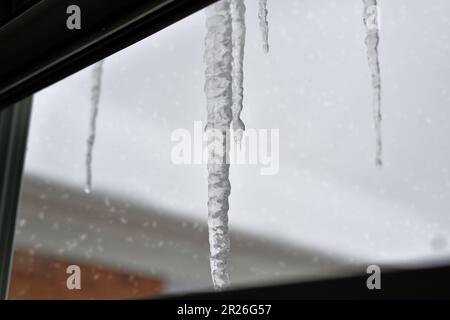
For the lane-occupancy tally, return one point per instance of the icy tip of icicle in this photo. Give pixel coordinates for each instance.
(379, 163)
(265, 48)
(87, 190)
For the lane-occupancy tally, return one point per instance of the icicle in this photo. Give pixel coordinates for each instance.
(372, 40)
(264, 24)
(238, 40)
(95, 98)
(218, 90)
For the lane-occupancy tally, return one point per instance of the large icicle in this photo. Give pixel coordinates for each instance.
(218, 90)
(238, 40)
(95, 99)
(371, 20)
(264, 24)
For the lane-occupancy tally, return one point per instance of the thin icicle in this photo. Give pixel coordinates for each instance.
(238, 40)
(371, 20)
(264, 24)
(95, 99)
(218, 90)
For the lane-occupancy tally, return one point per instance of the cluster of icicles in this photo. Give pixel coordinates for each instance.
(224, 90)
